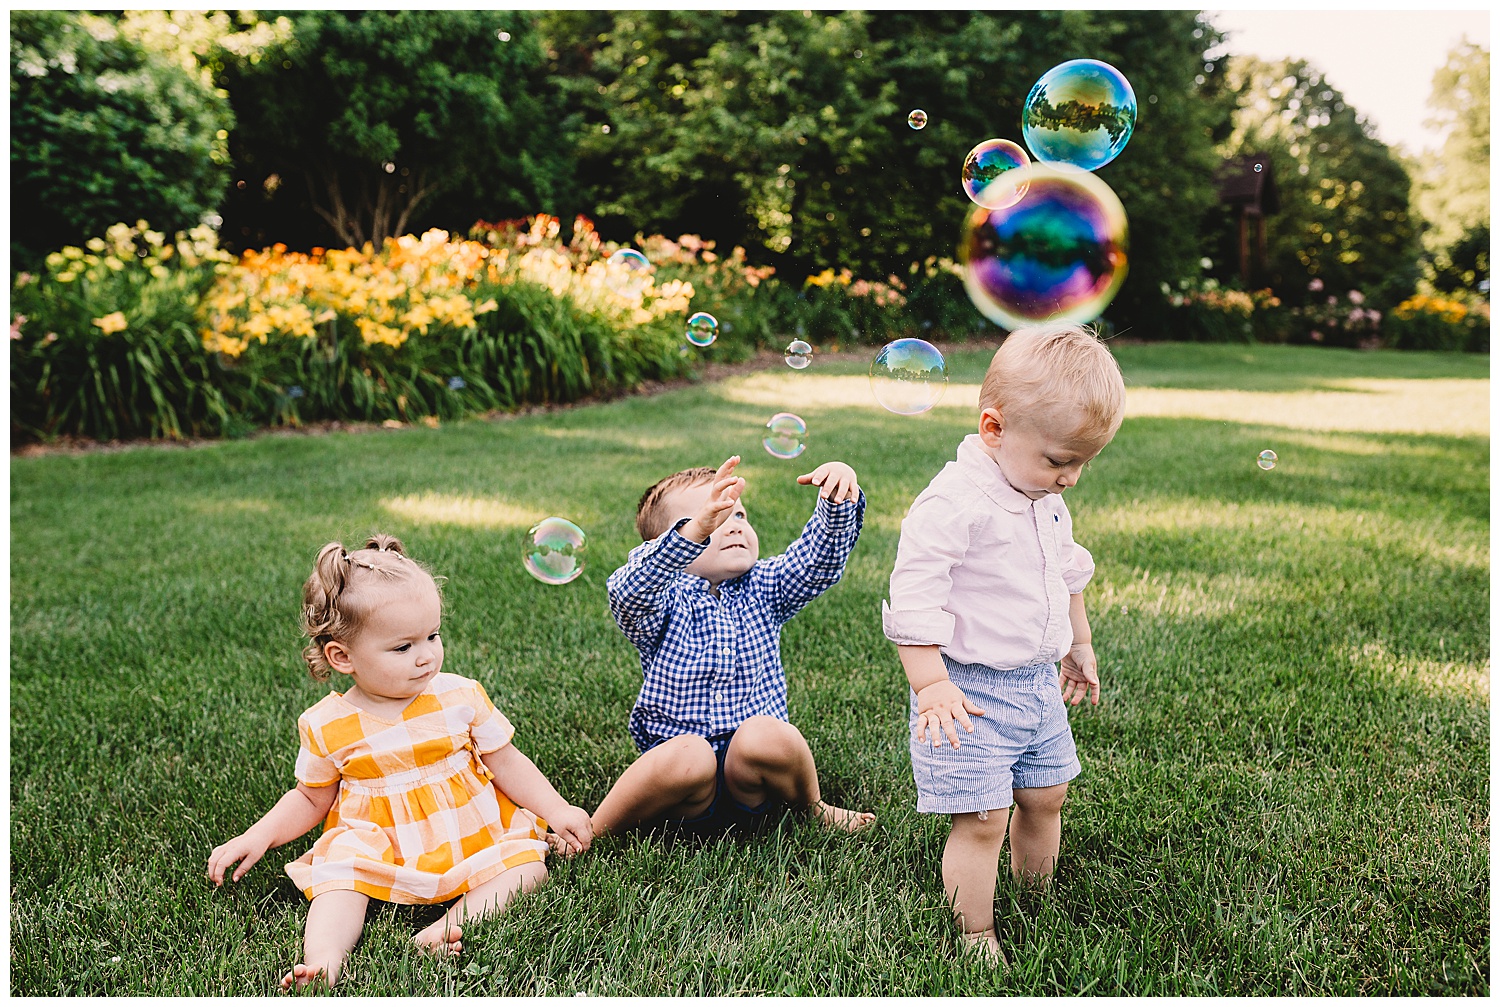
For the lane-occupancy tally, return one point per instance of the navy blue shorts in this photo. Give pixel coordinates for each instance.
(725, 814)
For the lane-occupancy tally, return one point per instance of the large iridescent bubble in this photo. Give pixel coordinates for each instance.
(987, 162)
(1059, 254)
(1080, 113)
(908, 376)
(554, 550)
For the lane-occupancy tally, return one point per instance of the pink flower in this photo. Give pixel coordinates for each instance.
(1316, 285)
(1355, 297)
(15, 326)
(1317, 336)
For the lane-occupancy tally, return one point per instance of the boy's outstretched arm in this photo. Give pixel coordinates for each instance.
(815, 561)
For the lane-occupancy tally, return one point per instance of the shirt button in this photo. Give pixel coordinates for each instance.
(718, 697)
(727, 651)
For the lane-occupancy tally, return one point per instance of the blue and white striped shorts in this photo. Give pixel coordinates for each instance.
(1023, 740)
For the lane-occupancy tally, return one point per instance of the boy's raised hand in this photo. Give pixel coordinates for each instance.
(1078, 675)
(836, 482)
(722, 498)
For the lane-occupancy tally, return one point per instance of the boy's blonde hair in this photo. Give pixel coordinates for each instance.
(651, 517)
(344, 588)
(1048, 369)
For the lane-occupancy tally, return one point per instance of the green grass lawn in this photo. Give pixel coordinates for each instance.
(1285, 789)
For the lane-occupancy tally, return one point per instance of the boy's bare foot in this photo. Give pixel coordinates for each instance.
(441, 939)
(840, 818)
(304, 974)
(985, 944)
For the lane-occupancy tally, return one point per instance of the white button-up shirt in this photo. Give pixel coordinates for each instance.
(983, 571)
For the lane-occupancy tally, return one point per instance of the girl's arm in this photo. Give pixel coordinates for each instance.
(524, 784)
(296, 812)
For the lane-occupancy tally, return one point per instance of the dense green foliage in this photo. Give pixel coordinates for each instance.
(366, 118)
(786, 132)
(105, 129)
(1285, 789)
(1454, 191)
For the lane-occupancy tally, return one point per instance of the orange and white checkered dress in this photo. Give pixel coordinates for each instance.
(418, 818)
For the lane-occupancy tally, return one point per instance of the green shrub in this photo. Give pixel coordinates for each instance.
(103, 342)
(103, 129)
(1433, 323)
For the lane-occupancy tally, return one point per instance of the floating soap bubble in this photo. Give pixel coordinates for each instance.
(988, 162)
(916, 119)
(798, 354)
(554, 550)
(908, 376)
(1257, 166)
(1267, 459)
(786, 435)
(1080, 113)
(1059, 254)
(702, 328)
(630, 259)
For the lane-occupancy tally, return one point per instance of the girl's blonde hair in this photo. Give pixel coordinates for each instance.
(1052, 369)
(345, 586)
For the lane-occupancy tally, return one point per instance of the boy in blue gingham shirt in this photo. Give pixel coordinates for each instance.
(706, 612)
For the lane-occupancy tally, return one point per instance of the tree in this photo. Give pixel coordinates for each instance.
(1345, 215)
(365, 119)
(105, 129)
(1453, 191)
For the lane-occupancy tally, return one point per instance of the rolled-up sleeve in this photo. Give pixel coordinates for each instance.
(934, 539)
(1077, 562)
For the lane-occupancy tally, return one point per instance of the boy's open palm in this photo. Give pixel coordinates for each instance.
(1078, 675)
(835, 481)
(941, 706)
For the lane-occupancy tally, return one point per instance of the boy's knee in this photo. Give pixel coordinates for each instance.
(687, 763)
(768, 742)
(1041, 800)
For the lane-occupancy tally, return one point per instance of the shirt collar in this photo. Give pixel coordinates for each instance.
(984, 472)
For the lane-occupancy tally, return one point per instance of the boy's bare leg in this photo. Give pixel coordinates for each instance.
(334, 923)
(676, 779)
(1036, 832)
(971, 862)
(444, 937)
(768, 760)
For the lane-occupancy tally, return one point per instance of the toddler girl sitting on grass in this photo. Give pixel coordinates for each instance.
(424, 797)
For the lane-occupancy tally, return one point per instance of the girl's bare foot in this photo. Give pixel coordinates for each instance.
(304, 974)
(841, 818)
(985, 944)
(441, 939)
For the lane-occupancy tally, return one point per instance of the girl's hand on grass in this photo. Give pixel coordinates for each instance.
(242, 847)
(572, 830)
(727, 488)
(941, 705)
(1078, 675)
(836, 482)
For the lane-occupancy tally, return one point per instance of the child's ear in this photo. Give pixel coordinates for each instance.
(991, 427)
(337, 656)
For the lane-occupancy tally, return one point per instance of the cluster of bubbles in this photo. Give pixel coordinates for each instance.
(1047, 240)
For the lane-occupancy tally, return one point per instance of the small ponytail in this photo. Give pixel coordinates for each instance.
(336, 599)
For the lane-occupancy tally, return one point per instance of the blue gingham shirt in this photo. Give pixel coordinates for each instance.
(711, 663)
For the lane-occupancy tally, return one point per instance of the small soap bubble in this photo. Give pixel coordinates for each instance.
(630, 259)
(554, 550)
(798, 354)
(702, 328)
(1057, 255)
(908, 376)
(1080, 113)
(503, 36)
(983, 816)
(916, 119)
(988, 162)
(786, 435)
(456, 382)
(1257, 167)
(1267, 459)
